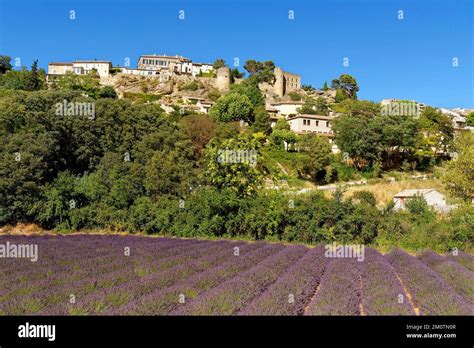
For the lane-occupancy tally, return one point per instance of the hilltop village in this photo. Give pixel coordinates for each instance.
(177, 81)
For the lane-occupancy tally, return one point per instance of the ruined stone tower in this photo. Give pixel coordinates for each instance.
(223, 79)
(279, 85)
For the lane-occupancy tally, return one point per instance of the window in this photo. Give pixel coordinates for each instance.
(327, 123)
(306, 122)
(317, 123)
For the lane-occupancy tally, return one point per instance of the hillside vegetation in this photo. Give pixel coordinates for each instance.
(129, 166)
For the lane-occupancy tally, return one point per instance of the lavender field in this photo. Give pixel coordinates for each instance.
(135, 275)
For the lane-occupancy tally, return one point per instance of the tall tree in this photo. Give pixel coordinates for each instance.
(262, 71)
(346, 83)
(316, 152)
(5, 64)
(459, 177)
(262, 121)
(470, 119)
(235, 74)
(33, 82)
(219, 63)
(232, 107)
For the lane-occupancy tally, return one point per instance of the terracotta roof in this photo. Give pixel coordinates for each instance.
(59, 63)
(413, 192)
(289, 102)
(167, 57)
(93, 61)
(314, 117)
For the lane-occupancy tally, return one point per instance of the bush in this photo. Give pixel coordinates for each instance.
(365, 197)
(191, 86)
(295, 96)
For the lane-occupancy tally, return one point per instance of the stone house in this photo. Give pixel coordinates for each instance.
(433, 198)
(173, 64)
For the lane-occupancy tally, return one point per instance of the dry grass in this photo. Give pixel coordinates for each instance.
(22, 229)
(385, 191)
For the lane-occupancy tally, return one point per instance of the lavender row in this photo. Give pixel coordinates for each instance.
(232, 295)
(382, 293)
(291, 293)
(122, 270)
(104, 302)
(458, 277)
(339, 292)
(431, 294)
(164, 301)
(65, 258)
(87, 267)
(169, 271)
(464, 259)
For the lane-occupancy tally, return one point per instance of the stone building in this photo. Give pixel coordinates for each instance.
(285, 82)
(174, 64)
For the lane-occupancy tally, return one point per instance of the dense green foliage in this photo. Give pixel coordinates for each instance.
(369, 137)
(132, 167)
(459, 176)
(262, 71)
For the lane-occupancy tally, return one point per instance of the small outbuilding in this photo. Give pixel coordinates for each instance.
(433, 198)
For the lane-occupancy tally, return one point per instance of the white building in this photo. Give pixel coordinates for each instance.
(432, 197)
(173, 64)
(311, 124)
(80, 67)
(203, 68)
(287, 108)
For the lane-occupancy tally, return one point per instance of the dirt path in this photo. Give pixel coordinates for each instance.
(407, 293)
(361, 306)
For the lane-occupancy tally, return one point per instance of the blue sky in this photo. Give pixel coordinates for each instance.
(390, 58)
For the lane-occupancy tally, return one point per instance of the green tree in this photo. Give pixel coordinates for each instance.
(262, 71)
(233, 107)
(88, 84)
(438, 132)
(325, 87)
(218, 63)
(200, 129)
(235, 74)
(14, 79)
(108, 92)
(317, 156)
(28, 160)
(33, 82)
(262, 121)
(355, 132)
(234, 164)
(470, 119)
(282, 124)
(346, 83)
(249, 88)
(459, 177)
(5, 64)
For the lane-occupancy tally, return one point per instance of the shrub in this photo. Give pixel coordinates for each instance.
(295, 96)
